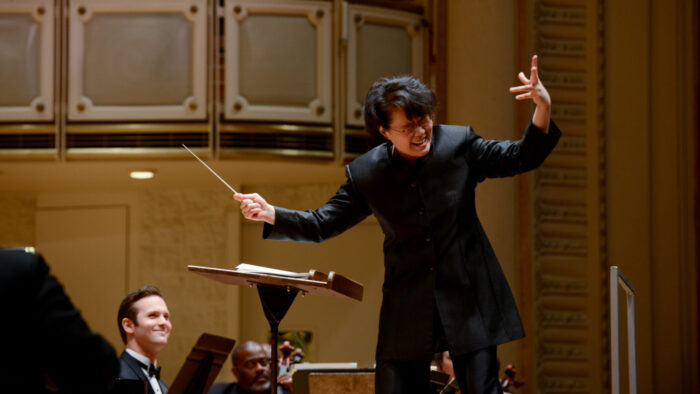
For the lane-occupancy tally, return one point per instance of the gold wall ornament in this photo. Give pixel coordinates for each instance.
(568, 203)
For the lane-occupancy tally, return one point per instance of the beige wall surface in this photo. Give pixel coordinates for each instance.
(17, 211)
(650, 238)
(177, 228)
(87, 249)
(480, 69)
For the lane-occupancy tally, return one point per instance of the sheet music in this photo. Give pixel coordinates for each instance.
(316, 366)
(256, 269)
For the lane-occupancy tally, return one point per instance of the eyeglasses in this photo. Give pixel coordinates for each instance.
(423, 123)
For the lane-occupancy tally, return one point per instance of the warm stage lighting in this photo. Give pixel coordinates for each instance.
(142, 174)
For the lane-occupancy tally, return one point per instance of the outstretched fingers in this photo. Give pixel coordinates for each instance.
(526, 84)
(524, 96)
(534, 78)
(530, 88)
(523, 79)
(520, 89)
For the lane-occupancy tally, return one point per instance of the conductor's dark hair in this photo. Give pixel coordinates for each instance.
(127, 309)
(404, 92)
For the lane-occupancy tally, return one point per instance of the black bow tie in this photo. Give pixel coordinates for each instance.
(152, 370)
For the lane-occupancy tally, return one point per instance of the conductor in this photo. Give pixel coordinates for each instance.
(443, 286)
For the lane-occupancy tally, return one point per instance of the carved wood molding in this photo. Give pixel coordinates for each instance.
(568, 230)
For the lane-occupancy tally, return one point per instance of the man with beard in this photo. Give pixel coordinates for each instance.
(144, 325)
(251, 367)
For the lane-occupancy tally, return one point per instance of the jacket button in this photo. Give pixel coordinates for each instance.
(432, 268)
(427, 239)
(420, 212)
(413, 184)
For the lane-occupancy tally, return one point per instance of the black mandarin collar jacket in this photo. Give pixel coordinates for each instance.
(435, 251)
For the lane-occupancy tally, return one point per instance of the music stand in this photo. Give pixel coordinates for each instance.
(301, 376)
(202, 365)
(277, 293)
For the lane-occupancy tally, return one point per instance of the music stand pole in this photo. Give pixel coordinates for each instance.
(278, 292)
(275, 301)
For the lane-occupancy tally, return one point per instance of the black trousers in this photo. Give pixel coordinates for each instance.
(476, 372)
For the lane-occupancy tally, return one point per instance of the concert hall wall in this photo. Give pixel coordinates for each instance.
(621, 189)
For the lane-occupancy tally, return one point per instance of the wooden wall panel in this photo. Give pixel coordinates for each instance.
(564, 213)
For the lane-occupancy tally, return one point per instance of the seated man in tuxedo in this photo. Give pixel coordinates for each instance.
(144, 325)
(251, 367)
(44, 335)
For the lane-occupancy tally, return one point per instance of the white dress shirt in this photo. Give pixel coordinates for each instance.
(146, 361)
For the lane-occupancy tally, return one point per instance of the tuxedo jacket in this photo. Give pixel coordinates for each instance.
(44, 335)
(436, 254)
(130, 368)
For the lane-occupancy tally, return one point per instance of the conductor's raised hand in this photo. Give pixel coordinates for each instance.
(533, 89)
(254, 207)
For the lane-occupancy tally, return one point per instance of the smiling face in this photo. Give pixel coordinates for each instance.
(411, 137)
(149, 334)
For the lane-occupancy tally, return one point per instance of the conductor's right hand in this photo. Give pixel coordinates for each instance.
(254, 207)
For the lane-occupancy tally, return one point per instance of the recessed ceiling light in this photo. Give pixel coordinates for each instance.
(142, 174)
